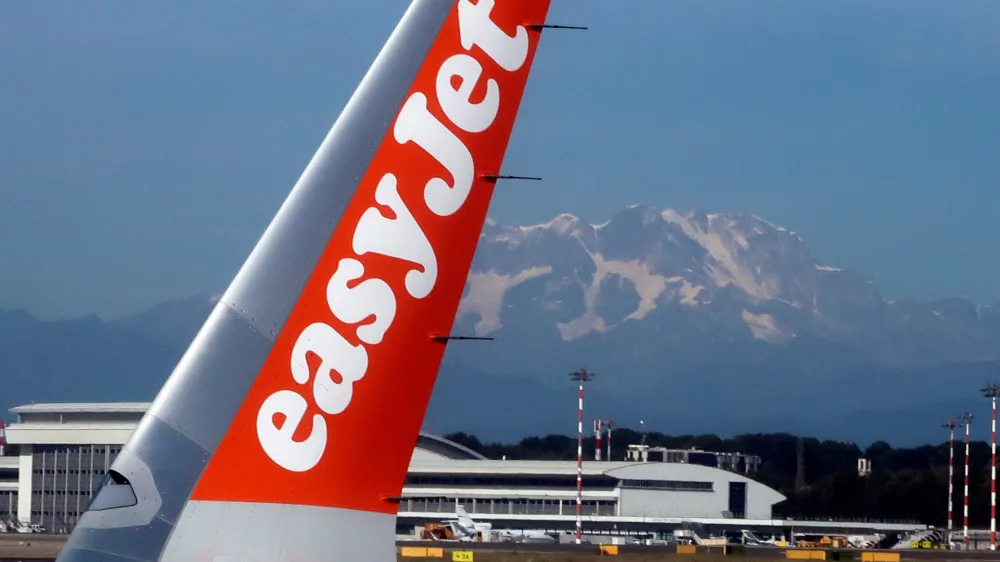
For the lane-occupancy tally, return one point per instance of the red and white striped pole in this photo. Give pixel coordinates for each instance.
(965, 506)
(597, 440)
(993, 476)
(991, 392)
(607, 424)
(579, 472)
(951, 471)
(580, 377)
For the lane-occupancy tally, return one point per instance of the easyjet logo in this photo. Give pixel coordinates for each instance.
(399, 237)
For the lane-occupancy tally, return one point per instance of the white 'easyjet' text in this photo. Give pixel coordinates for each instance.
(342, 364)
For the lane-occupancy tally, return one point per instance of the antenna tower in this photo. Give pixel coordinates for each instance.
(951, 471)
(580, 377)
(991, 391)
(967, 417)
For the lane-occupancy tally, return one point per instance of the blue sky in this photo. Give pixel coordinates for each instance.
(145, 146)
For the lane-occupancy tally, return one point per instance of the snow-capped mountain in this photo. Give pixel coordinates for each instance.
(693, 322)
(688, 286)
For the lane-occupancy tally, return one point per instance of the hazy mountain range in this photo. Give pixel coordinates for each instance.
(693, 322)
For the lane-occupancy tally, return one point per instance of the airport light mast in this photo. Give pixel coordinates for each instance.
(580, 377)
(967, 417)
(991, 391)
(597, 439)
(951, 472)
(607, 425)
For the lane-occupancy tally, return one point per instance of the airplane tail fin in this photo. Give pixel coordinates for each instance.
(463, 517)
(261, 444)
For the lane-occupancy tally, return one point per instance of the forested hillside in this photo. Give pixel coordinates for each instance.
(906, 483)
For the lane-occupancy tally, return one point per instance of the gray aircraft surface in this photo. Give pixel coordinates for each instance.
(259, 445)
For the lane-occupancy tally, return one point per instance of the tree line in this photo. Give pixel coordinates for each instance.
(904, 483)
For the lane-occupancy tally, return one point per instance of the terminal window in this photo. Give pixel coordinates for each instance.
(509, 481)
(671, 485)
(738, 499)
(63, 479)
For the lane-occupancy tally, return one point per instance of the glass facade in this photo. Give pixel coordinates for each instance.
(669, 485)
(8, 507)
(520, 506)
(591, 482)
(738, 499)
(532, 487)
(63, 479)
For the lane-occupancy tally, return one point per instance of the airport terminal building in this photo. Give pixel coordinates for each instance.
(57, 454)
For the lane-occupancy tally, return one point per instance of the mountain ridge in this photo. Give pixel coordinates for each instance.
(762, 275)
(700, 321)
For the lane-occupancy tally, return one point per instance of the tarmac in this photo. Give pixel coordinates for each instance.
(669, 552)
(29, 547)
(45, 548)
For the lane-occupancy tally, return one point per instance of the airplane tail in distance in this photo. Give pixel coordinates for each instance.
(463, 517)
(287, 427)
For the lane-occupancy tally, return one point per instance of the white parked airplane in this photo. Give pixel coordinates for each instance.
(258, 446)
(465, 528)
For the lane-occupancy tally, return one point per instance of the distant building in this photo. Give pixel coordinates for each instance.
(8, 478)
(733, 462)
(58, 454)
